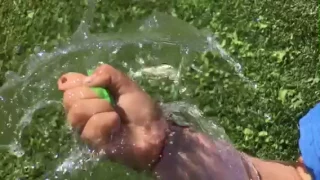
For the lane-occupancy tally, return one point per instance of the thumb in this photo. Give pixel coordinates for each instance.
(115, 81)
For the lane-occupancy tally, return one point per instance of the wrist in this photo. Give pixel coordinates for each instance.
(169, 158)
(157, 140)
(155, 135)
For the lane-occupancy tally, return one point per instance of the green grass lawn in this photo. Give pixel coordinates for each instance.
(276, 41)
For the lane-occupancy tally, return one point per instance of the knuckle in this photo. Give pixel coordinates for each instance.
(104, 67)
(113, 116)
(74, 114)
(105, 70)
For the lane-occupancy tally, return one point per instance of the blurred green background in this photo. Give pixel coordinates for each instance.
(276, 41)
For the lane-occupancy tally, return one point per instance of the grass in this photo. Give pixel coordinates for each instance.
(276, 41)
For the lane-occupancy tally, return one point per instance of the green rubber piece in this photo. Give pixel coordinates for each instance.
(101, 92)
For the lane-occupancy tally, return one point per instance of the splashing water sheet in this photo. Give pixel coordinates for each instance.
(157, 52)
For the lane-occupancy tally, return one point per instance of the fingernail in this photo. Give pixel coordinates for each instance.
(88, 80)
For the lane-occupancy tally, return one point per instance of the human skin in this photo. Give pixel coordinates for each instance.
(135, 133)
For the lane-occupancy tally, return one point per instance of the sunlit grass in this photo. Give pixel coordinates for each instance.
(275, 41)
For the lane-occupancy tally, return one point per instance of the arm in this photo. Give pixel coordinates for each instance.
(190, 155)
(273, 170)
(131, 134)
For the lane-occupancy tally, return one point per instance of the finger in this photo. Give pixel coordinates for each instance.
(73, 95)
(70, 80)
(82, 110)
(99, 129)
(108, 77)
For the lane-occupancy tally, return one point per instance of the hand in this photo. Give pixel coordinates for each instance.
(132, 132)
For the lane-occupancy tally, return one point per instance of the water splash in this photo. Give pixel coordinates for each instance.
(156, 51)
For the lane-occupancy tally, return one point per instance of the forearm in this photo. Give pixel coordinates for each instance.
(190, 155)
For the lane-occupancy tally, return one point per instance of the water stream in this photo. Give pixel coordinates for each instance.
(157, 51)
